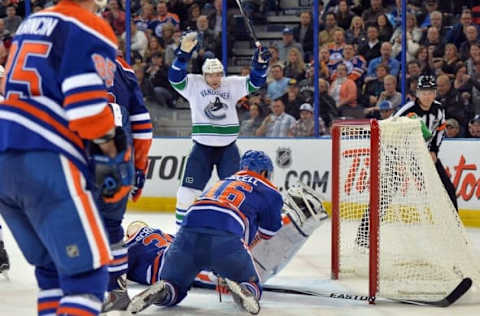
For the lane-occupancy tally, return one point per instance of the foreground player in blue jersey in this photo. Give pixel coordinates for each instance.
(215, 234)
(132, 116)
(60, 64)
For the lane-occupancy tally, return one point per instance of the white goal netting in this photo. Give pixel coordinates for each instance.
(423, 249)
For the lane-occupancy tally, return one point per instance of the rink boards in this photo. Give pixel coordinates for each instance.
(308, 160)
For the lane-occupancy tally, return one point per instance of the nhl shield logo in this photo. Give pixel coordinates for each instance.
(284, 157)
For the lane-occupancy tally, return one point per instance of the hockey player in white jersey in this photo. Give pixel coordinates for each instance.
(215, 126)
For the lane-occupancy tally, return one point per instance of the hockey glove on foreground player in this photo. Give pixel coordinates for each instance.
(138, 184)
(113, 175)
(261, 58)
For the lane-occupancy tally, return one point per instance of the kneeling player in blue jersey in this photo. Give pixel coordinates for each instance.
(218, 230)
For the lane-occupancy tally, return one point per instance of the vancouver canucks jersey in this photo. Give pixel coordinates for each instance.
(130, 111)
(214, 114)
(241, 204)
(60, 63)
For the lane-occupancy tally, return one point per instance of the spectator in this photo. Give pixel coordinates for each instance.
(343, 90)
(115, 15)
(434, 43)
(145, 84)
(146, 16)
(475, 76)
(386, 109)
(153, 47)
(356, 64)
(413, 71)
(371, 49)
(158, 75)
(390, 93)
(249, 126)
(385, 58)
(295, 66)
(473, 59)
(343, 15)
(327, 35)
(215, 19)
(5, 36)
(414, 35)
(167, 35)
(278, 123)
(274, 60)
(305, 126)
(206, 44)
(471, 34)
(385, 30)
(373, 86)
(371, 14)
(139, 41)
(452, 128)
(163, 17)
(278, 86)
(287, 43)
(303, 33)
(12, 21)
(335, 49)
(356, 33)
(450, 60)
(436, 19)
(457, 33)
(292, 99)
(328, 108)
(324, 57)
(194, 12)
(424, 15)
(170, 49)
(422, 58)
(474, 127)
(468, 88)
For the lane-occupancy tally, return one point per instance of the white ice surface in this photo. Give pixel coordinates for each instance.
(310, 268)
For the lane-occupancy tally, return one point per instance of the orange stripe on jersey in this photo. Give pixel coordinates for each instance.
(156, 263)
(103, 249)
(74, 311)
(94, 126)
(47, 305)
(13, 101)
(85, 96)
(118, 261)
(137, 127)
(224, 205)
(124, 63)
(203, 277)
(142, 147)
(72, 9)
(258, 176)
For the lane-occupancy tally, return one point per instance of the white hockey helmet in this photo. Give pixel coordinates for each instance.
(212, 65)
(134, 227)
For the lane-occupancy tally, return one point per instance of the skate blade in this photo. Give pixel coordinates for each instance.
(248, 303)
(146, 298)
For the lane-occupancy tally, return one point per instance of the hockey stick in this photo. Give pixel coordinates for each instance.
(249, 24)
(451, 298)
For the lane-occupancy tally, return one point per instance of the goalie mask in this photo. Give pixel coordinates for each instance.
(301, 202)
(134, 227)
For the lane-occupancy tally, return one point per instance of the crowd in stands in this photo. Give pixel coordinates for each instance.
(359, 57)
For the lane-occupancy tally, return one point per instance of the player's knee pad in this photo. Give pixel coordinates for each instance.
(302, 213)
(92, 282)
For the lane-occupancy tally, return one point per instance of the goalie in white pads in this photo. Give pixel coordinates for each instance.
(215, 125)
(302, 213)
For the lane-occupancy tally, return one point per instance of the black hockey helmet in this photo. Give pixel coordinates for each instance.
(427, 82)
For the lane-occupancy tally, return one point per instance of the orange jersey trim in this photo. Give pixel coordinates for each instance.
(137, 127)
(84, 96)
(48, 305)
(73, 311)
(103, 249)
(124, 63)
(156, 263)
(13, 101)
(94, 126)
(142, 147)
(258, 176)
(72, 9)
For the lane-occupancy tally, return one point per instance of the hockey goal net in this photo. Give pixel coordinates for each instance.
(392, 220)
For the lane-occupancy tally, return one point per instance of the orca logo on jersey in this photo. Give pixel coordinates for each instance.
(216, 110)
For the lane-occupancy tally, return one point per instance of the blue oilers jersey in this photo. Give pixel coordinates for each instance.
(241, 204)
(130, 111)
(61, 61)
(145, 252)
